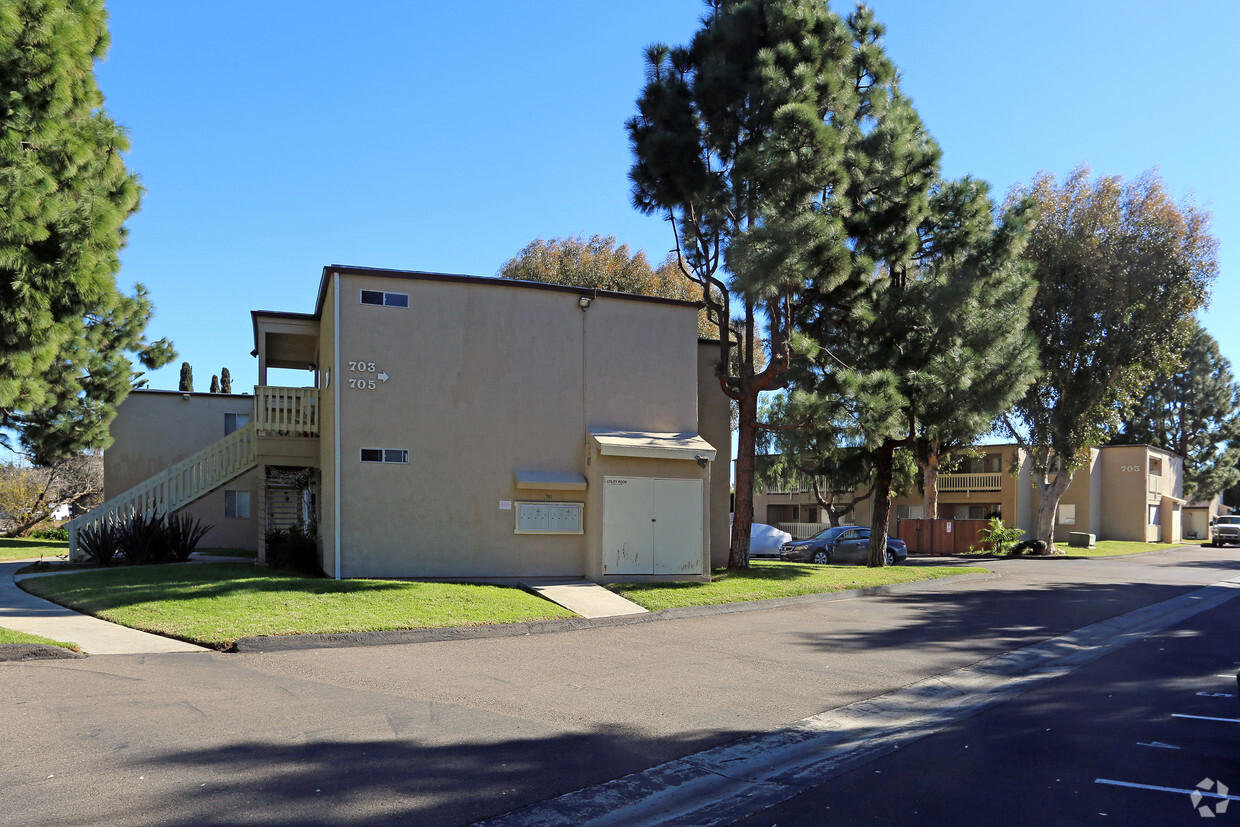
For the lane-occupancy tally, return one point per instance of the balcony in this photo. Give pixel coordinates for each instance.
(969, 483)
(286, 412)
(1155, 486)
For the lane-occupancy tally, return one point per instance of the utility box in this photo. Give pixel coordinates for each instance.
(1080, 539)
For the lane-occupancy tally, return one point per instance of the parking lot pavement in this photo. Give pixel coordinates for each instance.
(1148, 735)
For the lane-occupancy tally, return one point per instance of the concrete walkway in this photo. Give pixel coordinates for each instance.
(585, 598)
(23, 612)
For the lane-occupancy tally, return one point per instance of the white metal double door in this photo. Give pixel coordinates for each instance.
(652, 526)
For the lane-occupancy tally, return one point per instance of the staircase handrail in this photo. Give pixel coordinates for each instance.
(170, 489)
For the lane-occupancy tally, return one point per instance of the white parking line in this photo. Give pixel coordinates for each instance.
(1158, 744)
(1200, 792)
(1206, 718)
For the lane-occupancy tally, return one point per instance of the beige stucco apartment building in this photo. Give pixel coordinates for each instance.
(1124, 492)
(453, 427)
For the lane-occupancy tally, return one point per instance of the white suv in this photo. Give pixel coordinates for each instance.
(1225, 530)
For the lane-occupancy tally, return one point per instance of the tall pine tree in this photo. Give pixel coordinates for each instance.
(1192, 410)
(937, 346)
(758, 141)
(66, 331)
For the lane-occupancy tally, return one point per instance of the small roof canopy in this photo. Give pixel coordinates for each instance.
(651, 444)
(550, 480)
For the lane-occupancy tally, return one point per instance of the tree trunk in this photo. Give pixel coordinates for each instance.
(884, 466)
(742, 513)
(930, 483)
(1044, 527)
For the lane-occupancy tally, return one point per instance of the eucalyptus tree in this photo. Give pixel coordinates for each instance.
(1121, 271)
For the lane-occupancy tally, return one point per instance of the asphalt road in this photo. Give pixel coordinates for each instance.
(1125, 740)
(456, 731)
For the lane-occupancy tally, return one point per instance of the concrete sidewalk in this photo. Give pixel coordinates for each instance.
(582, 596)
(24, 612)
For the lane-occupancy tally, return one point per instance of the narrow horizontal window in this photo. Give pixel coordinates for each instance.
(382, 298)
(397, 455)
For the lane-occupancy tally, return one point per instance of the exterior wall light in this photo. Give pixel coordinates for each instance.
(584, 302)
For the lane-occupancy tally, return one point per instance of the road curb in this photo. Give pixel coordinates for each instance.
(289, 643)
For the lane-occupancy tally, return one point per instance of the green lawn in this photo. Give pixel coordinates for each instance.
(21, 549)
(11, 636)
(213, 604)
(768, 579)
(1102, 548)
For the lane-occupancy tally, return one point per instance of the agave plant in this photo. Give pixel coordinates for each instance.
(184, 533)
(144, 538)
(101, 542)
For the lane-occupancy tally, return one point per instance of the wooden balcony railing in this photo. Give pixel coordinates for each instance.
(1155, 486)
(286, 411)
(971, 482)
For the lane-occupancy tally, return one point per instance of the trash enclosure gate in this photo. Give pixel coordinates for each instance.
(941, 537)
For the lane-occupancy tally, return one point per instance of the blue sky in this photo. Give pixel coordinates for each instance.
(276, 137)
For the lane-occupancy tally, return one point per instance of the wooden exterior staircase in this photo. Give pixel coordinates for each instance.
(176, 486)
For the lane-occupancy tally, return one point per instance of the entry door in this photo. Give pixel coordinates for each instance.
(652, 526)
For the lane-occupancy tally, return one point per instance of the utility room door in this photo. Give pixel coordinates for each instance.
(652, 526)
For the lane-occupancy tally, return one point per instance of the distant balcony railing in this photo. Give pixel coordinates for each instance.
(971, 482)
(1155, 486)
(286, 411)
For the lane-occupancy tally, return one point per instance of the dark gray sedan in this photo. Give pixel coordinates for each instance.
(845, 544)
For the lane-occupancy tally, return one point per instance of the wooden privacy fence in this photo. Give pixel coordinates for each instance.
(941, 537)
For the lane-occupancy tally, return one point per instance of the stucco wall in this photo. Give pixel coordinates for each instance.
(155, 429)
(485, 380)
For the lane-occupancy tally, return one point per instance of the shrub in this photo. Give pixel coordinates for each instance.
(1021, 547)
(54, 533)
(999, 537)
(183, 534)
(100, 542)
(295, 548)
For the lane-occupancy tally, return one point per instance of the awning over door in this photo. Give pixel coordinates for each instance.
(550, 480)
(651, 444)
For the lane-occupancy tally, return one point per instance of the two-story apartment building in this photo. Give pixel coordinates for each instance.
(1124, 492)
(452, 427)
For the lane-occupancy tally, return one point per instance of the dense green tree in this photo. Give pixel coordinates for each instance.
(602, 262)
(186, 385)
(1121, 270)
(225, 381)
(936, 347)
(66, 331)
(828, 457)
(762, 142)
(1193, 410)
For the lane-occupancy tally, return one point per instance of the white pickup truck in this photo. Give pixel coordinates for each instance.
(1224, 530)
